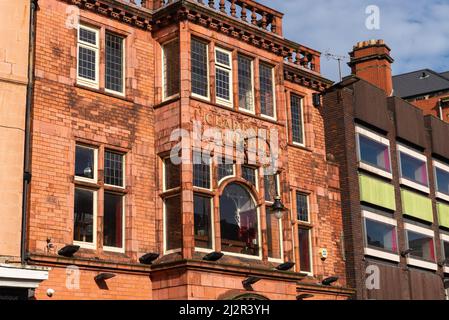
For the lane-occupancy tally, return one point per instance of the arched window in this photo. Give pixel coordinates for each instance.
(239, 221)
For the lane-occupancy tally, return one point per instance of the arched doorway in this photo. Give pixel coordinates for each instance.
(239, 221)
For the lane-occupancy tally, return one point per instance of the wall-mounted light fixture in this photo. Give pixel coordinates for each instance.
(213, 256)
(316, 99)
(278, 208)
(148, 258)
(69, 250)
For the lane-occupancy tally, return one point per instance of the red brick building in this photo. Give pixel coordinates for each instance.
(109, 93)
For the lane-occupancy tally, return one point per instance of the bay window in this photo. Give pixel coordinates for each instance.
(296, 107)
(201, 170)
(381, 238)
(199, 68)
(373, 152)
(172, 224)
(246, 83)
(442, 179)
(267, 99)
(421, 241)
(171, 175)
(413, 169)
(203, 225)
(171, 69)
(223, 77)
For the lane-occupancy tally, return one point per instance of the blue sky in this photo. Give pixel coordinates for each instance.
(417, 31)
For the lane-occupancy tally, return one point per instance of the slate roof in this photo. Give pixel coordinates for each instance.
(419, 83)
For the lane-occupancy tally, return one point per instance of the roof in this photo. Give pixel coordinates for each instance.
(419, 83)
(445, 74)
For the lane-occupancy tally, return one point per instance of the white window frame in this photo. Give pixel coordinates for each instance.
(212, 221)
(303, 144)
(256, 173)
(253, 90)
(274, 117)
(404, 181)
(88, 245)
(96, 48)
(164, 223)
(445, 238)
(210, 171)
(295, 217)
(95, 164)
(195, 95)
(164, 182)
(120, 93)
(218, 66)
(234, 173)
(164, 96)
(440, 165)
(123, 170)
(116, 249)
(379, 253)
(379, 139)
(416, 261)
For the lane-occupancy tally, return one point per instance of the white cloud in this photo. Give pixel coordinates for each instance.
(416, 31)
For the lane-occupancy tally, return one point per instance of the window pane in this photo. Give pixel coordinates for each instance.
(249, 174)
(199, 68)
(304, 250)
(113, 220)
(302, 207)
(273, 235)
(225, 169)
(413, 169)
(172, 174)
(271, 188)
(238, 221)
(84, 162)
(422, 245)
(297, 121)
(446, 249)
(223, 84)
(223, 58)
(201, 171)
(88, 36)
(381, 236)
(266, 90)
(114, 62)
(84, 215)
(245, 73)
(171, 69)
(87, 63)
(203, 222)
(442, 181)
(374, 153)
(173, 223)
(113, 168)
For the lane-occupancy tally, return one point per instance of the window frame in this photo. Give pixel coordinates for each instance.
(95, 169)
(299, 224)
(444, 167)
(301, 98)
(307, 195)
(164, 96)
(211, 177)
(416, 261)
(164, 224)
(418, 156)
(195, 95)
(219, 66)
(273, 77)
(164, 181)
(310, 230)
(87, 245)
(444, 238)
(378, 252)
(95, 84)
(361, 131)
(123, 169)
(253, 89)
(123, 92)
(234, 173)
(116, 249)
(212, 222)
(256, 174)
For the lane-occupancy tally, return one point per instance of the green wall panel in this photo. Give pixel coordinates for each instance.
(443, 214)
(416, 205)
(377, 192)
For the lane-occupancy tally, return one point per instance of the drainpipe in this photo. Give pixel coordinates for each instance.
(440, 109)
(27, 145)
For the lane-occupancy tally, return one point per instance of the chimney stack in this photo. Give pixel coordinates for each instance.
(371, 61)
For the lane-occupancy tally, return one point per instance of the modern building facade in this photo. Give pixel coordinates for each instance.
(394, 175)
(426, 89)
(118, 84)
(17, 280)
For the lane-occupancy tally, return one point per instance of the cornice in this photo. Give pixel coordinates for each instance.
(306, 78)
